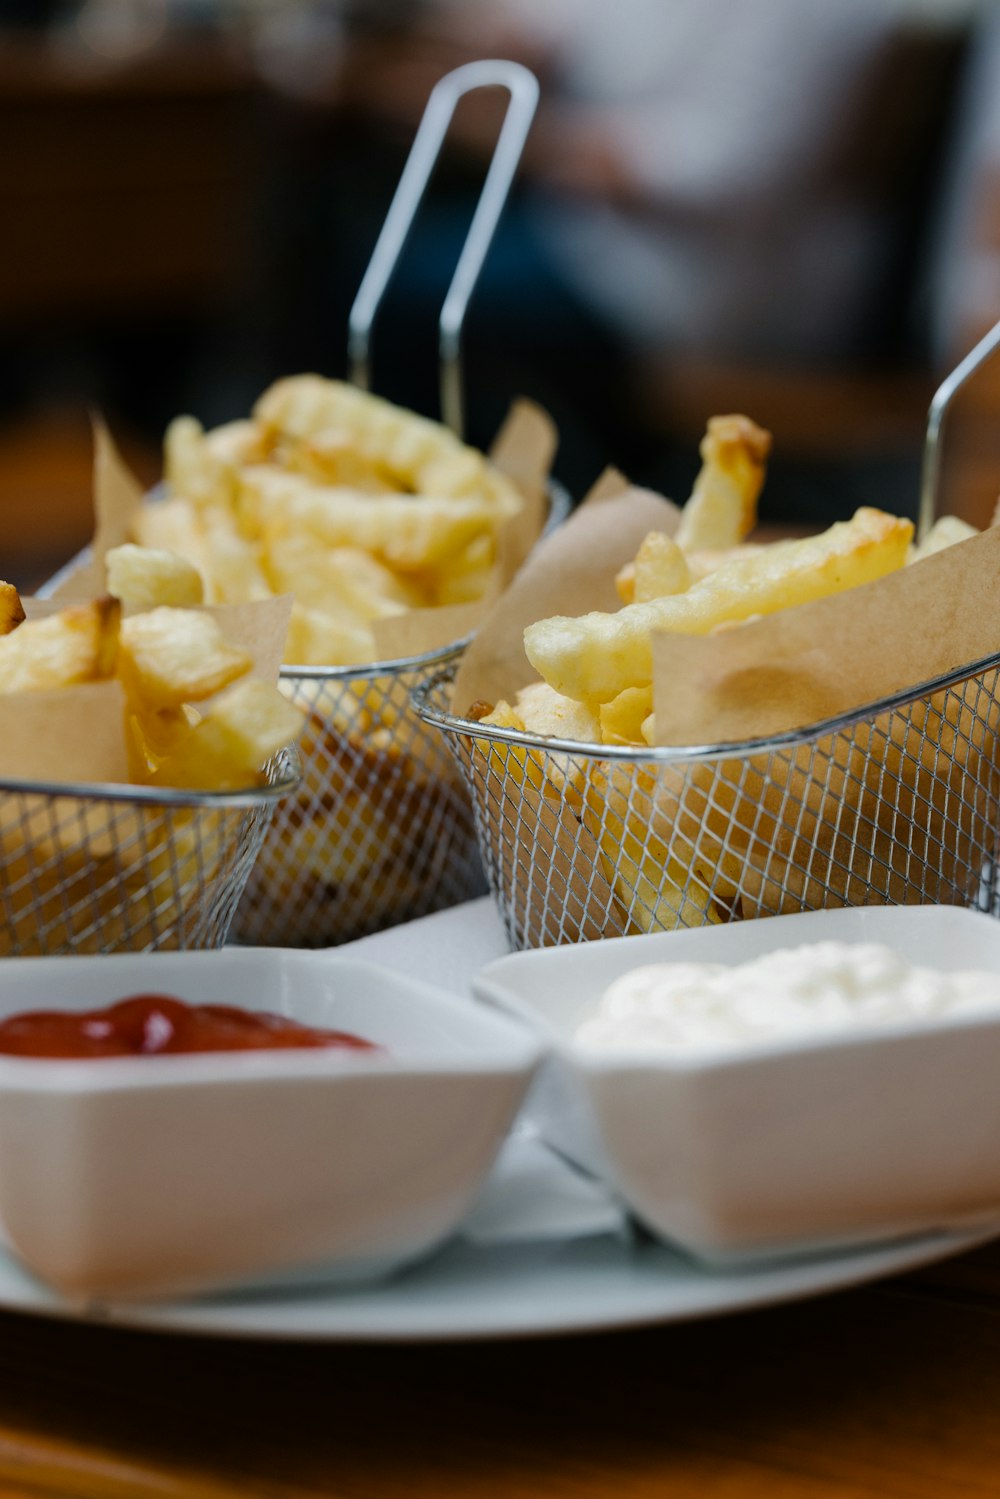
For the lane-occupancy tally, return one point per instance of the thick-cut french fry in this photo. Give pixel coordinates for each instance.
(316, 638)
(202, 466)
(622, 719)
(343, 581)
(227, 749)
(654, 887)
(543, 711)
(169, 657)
(11, 608)
(79, 644)
(660, 568)
(722, 508)
(594, 657)
(172, 525)
(144, 577)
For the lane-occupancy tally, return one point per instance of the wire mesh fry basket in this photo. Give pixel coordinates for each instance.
(381, 829)
(895, 804)
(101, 868)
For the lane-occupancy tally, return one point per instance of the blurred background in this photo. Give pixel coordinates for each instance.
(785, 207)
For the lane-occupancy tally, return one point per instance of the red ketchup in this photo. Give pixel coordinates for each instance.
(153, 1025)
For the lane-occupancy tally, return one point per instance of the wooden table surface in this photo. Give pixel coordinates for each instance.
(891, 1390)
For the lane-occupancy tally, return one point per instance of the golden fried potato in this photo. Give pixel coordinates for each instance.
(412, 453)
(169, 657)
(316, 638)
(11, 608)
(79, 644)
(623, 718)
(144, 577)
(408, 532)
(229, 747)
(659, 568)
(595, 657)
(722, 508)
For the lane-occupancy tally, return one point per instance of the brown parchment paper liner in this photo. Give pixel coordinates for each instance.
(893, 807)
(98, 874)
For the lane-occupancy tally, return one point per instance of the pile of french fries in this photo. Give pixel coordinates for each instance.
(358, 509)
(195, 716)
(362, 512)
(107, 872)
(685, 843)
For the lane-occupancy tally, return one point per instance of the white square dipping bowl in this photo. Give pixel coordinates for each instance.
(797, 1144)
(147, 1176)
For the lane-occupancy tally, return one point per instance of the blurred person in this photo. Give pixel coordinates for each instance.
(712, 176)
(731, 182)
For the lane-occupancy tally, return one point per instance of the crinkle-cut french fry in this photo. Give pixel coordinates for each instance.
(343, 581)
(11, 608)
(229, 747)
(332, 458)
(594, 657)
(722, 508)
(316, 638)
(659, 568)
(412, 450)
(946, 531)
(173, 656)
(79, 644)
(201, 466)
(235, 573)
(465, 577)
(143, 577)
(408, 532)
(622, 719)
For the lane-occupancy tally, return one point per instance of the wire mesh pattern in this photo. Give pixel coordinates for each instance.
(896, 805)
(99, 869)
(380, 830)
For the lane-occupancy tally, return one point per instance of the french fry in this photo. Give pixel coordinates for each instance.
(143, 577)
(411, 452)
(722, 509)
(316, 638)
(169, 657)
(11, 608)
(660, 568)
(408, 532)
(343, 581)
(622, 720)
(594, 657)
(654, 888)
(77, 645)
(227, 749)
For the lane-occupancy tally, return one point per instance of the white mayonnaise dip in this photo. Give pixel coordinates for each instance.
(827, 986)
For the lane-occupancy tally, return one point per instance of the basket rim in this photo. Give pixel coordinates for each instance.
(662, 754)
(285, 781)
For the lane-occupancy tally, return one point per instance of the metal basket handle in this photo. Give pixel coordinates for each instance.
(930, 473)
(522, 86)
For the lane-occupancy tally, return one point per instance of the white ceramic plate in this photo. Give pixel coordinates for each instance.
(504, 1289)
(474, 1291)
